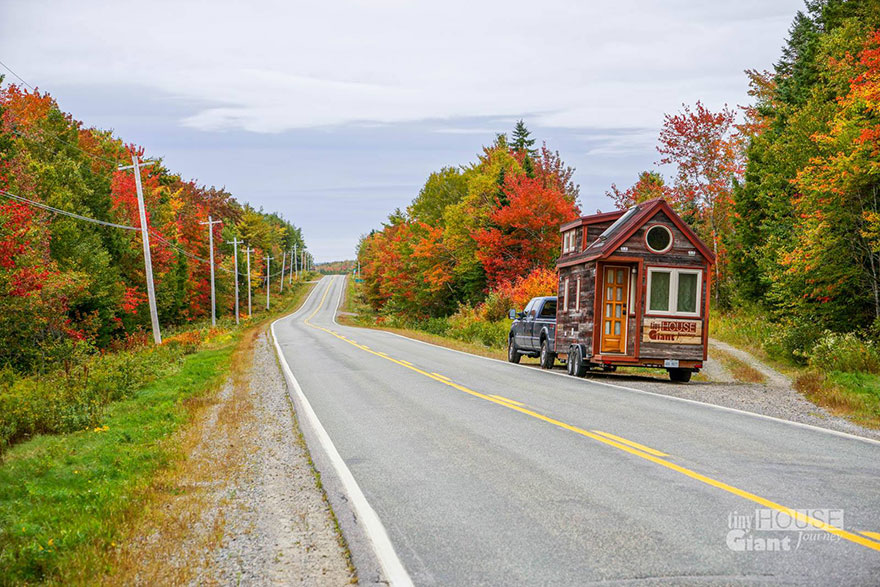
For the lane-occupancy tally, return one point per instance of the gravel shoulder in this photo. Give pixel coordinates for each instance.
(776, 397)
(279, 528)
(244, 506)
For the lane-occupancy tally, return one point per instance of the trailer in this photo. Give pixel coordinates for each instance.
(634, 290)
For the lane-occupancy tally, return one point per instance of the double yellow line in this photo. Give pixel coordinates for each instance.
(617, 442)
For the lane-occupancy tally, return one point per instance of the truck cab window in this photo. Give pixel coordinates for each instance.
(549, 309)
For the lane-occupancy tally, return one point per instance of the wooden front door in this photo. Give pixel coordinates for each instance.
(615, 295)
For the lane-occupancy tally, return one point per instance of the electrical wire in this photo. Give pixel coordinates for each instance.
(51, 134)
(48, 208)
(153, 234)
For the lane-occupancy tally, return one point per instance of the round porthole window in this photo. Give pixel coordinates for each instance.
(659, 238)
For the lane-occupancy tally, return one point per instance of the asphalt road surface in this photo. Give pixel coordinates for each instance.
(487, 473)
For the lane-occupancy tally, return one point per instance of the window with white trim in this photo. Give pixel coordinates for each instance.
(565, 296)
(568, 239)
(674, 291)
(577, 295)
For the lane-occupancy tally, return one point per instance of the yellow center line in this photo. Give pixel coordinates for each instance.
(794, 514)
(508, 400)
(874, 535)
(440, 376)
(641, 447)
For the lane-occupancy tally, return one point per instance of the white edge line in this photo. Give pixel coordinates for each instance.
(394, 570)
(641, 391)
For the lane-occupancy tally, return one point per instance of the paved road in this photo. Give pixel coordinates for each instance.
(487, 473)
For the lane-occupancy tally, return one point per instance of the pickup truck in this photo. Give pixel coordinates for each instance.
(533, 332)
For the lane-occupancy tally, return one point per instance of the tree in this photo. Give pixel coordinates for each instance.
(524, 235)
(522, 141)
(649, 185)
(707, 152)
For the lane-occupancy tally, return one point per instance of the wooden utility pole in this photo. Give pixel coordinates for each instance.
(211, 224)
(268, 281)
(145, 239)
(283, 260)
(234, 244)
(248, 252)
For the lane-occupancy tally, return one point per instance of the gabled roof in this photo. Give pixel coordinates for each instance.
(627, 224)
(592, 219)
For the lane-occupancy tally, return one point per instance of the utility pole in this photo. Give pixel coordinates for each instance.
(292, 263)
(145, 240)
(234, 244)
(302, 259)
(295, 259)
(268, 281)
(211, 224)
(248, 252)
(283, 260)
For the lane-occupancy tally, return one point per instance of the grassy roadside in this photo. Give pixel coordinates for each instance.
(837, 375)
(68, 501)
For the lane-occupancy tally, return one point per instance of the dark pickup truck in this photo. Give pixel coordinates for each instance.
(533, 332)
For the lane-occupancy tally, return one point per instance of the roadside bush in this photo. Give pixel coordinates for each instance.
(845, 353)
(74, 398)
(468, 326)
(540, 282)
(792, 341)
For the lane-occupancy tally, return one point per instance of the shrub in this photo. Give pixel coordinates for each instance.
(792, 341)
(74, 398)
(516, 294)
(845, 353)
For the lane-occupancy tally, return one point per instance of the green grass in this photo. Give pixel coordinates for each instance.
(64, 497)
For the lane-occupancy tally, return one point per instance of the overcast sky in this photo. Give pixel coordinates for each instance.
(333, 113)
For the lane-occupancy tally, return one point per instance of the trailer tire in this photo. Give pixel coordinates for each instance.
(577, 367)
(512, 353)
(680, 375)
(547, 358)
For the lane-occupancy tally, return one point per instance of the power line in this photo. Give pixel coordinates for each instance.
(51, 134)
(9, 69)
(153, 233)
(64, 212)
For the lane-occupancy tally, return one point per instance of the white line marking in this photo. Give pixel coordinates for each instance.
(633, 390)
(394, 570)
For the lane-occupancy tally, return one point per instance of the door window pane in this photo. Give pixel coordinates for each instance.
(617, 329)
(687, 292)
(609, 277)
(620, 276)
(660, 281)
(619, 294)
(608, 328)
(609, 294)
(617, 310)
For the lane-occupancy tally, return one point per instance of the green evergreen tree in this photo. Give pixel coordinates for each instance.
(522, 140)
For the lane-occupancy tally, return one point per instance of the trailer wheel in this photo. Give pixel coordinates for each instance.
(576, 365)
(512, 353)
(680, 375)
(547, 358)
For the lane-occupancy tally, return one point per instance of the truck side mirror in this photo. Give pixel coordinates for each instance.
(512, 314)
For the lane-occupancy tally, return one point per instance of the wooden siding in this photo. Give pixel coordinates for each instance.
(575, 326)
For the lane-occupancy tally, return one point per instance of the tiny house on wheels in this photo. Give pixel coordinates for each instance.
(634, 291)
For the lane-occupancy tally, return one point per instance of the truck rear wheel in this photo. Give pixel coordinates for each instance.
(512, 353)
(680, 375)
(547, 358)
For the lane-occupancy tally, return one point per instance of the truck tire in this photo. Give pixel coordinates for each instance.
(680, 375)
(547, 358)
(576, 364)
(512, 353)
